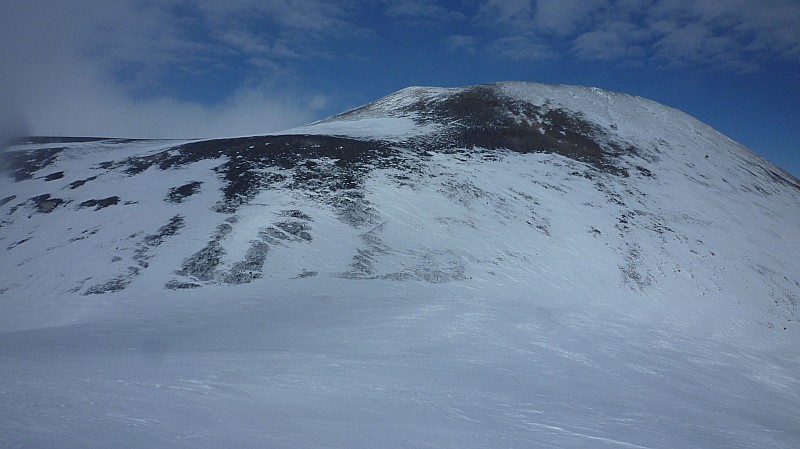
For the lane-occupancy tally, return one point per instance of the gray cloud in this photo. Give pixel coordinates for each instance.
(318, 17)
(421, 13)
(601, 45)
(731, 35)
(11, 128)
(99, 67)
(563, 17)
(521, 48)
(461, 42)
(79, 67)
(515, 16)
(736, 35)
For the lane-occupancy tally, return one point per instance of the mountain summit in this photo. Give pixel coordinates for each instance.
(513, 264)
(413, 182)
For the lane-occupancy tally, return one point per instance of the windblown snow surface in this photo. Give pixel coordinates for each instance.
(514, 265)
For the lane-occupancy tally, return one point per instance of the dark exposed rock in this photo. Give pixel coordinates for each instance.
(478, 123)
(481, 117)
(141, 256)
(296, 229)
(7, 199)
(178, 285)
(206, 265)
(202, 265)
(16, 244)
(23, 164)
(249, 269)
(333, 169)
(114, 285)
(76, 184)
(273, 235)
(168, 230)
(306, 274)
(84, 235)
(178, 194)
(300, 215)
(633, 273)
(243, 162)
(471, 125)
(362, 265)
(45, 204)
(100, 204)
(224, 229)
(784, 178)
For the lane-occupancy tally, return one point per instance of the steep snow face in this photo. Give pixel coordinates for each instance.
(513, 264)
(655, 198)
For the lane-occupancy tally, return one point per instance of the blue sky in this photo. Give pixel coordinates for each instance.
(185, 68)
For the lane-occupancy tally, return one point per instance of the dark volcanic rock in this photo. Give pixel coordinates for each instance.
(244, 163)
(249, 269)
(7, 199)
(79, 183)
(178, 285)
(202, 265)
(178, 194)
(482, 117)
(45, 204)
(430, 146)
(333, 168)
(54, 176)
(168, 230)
(100, 204)
(23, 164)
(141, 256)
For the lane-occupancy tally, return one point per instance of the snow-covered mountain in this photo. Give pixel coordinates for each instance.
(507, 265)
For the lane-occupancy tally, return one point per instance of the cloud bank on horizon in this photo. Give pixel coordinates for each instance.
(203, 68)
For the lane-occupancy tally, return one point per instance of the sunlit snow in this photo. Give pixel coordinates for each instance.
(451, 299)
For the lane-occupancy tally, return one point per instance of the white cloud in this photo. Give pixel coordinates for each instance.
(521, 49)
(600, 44)
(563, 17)
(461, 42)
(73, 67)
(99, 67)
(733, 35)
(316, 17)
(512, 15)
(421, 12)
(730, 35)
(614, 40)
(108, 112)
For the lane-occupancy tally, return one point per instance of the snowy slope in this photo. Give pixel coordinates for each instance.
(510, 265)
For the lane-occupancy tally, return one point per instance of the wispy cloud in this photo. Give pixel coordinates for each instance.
(461, 42)
(515, 16)
(100, 67)
(425, 13)
(153, 68)
(521, 48)
(731, 35)
(615, 40)
(564, 17)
